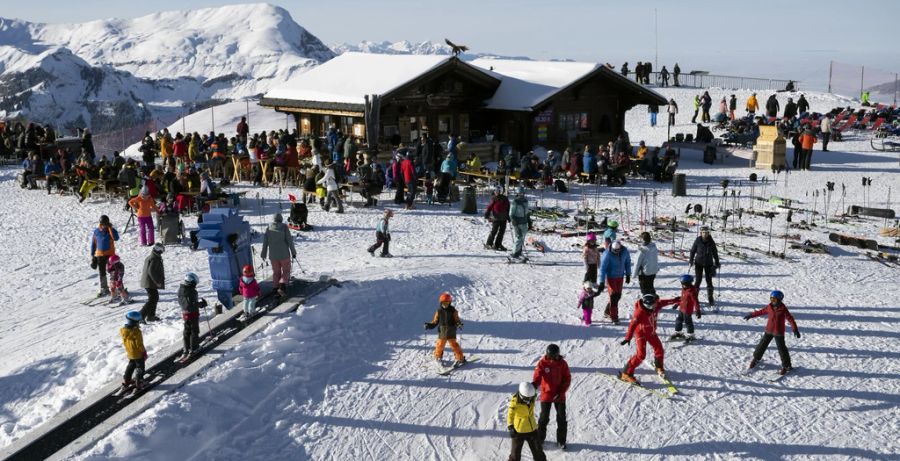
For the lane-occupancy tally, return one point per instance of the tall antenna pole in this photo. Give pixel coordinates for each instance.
(656, 39)
(830, 69)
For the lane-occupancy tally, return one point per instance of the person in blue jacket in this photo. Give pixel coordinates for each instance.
(615, 266)
(589, 163)
(51, 172)
(103, 245)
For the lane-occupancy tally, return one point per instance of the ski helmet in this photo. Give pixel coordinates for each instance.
(191, 278)
(248, 271)
(686, 279)
(159, 248)
(526, 390)
(616, 247)
(613, 224)
(649, 300)
(777, 294)
(133, 316)
(498, 190)
(445, 297)
(113, 259)
(553, 351)
(520, 190)
(588, 285)
(591, 238)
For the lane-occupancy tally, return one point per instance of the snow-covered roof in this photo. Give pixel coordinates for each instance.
(525, 84)
(350, 76)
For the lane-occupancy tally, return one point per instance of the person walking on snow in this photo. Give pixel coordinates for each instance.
(446, 319)
(589, 291)
(190, 313)
(642, 329)
(521, 424)
(278, 245)
(332, 189)
(673, 109)
(687, 305)
(103, 245)
(143, 205)
(777, 314)
(249, 290)
(705, 259)
(133, 341)
(497, 213)
(383, 236)
(153, 279)
(116, 270)
(696, 108)
(772, 106)
(752, 105)
(518, 213)
(615, 265)
(647, 264)
(591, 256)
(552, 375)
(732, 106)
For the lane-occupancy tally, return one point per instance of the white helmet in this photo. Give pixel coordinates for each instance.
(526, 390)
(616, 247)
(191, 278)
(590, 285)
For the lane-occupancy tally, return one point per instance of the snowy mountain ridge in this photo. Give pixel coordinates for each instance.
(158, 61)
(426, 47)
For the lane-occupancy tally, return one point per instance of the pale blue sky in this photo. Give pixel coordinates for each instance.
(765, 38)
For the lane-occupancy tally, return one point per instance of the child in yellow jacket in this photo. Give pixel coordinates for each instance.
(521, 424)
(133, 341)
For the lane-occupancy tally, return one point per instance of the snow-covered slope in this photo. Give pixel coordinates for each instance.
(407, 47)
(143, 67)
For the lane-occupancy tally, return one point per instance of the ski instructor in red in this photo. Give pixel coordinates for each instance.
(552, 375)
(643, 329)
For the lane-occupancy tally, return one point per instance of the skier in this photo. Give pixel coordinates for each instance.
(591, 256)
(153, 279)
(103, 245)
(687, 305)
(643, 329)
(614, 266)
(647, 264)
(383, 236)
(705, 259)
(190, 313)
(116, 271)
(143, 205)
(518, 212)
(589, 291)
(777, 314)
(278, 245)
(249, 290)
(133, 341)
(497, 213)
(446, 318)
(521, 424)
(609, 235)
(552, 375)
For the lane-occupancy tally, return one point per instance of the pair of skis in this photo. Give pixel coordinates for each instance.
(446, 371)
(669, 392)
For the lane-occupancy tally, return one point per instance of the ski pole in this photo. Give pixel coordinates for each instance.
(208, 325)
(298, 265)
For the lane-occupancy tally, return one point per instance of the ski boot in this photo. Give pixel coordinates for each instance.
(371, 253)
(628, 378)
(677, 335)
(487, 246)
(500, 248)
(103, 292)
(386, 255)
(784, 370)
(459, 363)
(660, 370)
(753, 363)
(690, 338)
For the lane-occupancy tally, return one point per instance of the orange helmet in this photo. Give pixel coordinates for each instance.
(445, 298)
(248, 271)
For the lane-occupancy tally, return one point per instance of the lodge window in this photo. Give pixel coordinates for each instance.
(574, 122)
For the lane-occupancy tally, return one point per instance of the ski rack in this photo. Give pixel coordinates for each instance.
(92, 418)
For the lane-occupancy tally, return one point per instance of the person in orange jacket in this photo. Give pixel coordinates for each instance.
(752, 104)
(446, 318)
(807, 141)
(643, 329)
(143, 205)
(552, 375)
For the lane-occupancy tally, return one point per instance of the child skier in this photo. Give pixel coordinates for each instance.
(249, 290)
(586, 301)
(609, 235)
(552, 374)
(446, 318)
(116, 271)
(777, 314)
(383, 235)
(190, 313)
(133, 341)
(591, 256)
(643, 329)
(521, 424)
(687, 305)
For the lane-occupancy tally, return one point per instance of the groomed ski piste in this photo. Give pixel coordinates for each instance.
(348, 375)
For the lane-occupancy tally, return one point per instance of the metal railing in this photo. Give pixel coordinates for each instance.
(730, 82)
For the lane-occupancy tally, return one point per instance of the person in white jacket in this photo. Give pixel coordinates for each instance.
(331, 186)
(647, 264)
(826, 131)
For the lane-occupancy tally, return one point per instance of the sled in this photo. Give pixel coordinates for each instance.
(885, 146)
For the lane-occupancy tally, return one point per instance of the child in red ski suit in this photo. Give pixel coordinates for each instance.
(777, 314)
(643, 329)
(687, 305)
